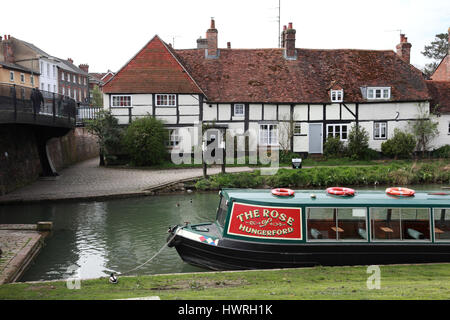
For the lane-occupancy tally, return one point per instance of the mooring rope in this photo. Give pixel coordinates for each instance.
(154, 256)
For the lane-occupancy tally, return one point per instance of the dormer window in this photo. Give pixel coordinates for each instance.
(337, 95)
(378, 93)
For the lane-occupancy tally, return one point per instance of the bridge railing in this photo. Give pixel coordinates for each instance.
(18, 101)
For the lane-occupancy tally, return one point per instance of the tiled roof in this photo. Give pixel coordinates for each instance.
(263, 75)
(440, 94)
(154, 69)
(15, 66)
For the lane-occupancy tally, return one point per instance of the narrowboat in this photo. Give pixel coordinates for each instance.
(282, 228)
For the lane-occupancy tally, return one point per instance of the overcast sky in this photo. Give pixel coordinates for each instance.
(106, 33)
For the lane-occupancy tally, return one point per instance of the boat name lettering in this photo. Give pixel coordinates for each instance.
(265, 222)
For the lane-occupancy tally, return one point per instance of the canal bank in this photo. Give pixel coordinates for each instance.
(397, 282)
(20, 244)
(88, 181)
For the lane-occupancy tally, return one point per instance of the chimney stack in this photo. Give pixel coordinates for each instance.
(283, 37)
(211, 36)
(202, 43)
(7, 49)
(84, 67)
(228, 45)
(289, 43)
(404, 49)
(70, 60)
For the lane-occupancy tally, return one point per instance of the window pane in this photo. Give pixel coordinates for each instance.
(376, 130)
(321, 222)
(385, 93)
(385, 224)
(415, 224)
(352, 224)
(378, 93)
(441, 224)
(370, 93)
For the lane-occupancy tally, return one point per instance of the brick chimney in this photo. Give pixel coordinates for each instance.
(7, 49)
(70, 60)
(84, 67)
(289, 43)
(211, 36)
(404, 49)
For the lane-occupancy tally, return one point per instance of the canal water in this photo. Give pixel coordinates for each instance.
(93, 239)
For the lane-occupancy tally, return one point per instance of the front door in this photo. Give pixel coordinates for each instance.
(315, 138)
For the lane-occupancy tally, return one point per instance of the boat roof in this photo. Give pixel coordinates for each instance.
(322, 198)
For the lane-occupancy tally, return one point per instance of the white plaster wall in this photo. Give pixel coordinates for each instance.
(316, 112)
(224, 111)
(300, 112)
(346, 115)
(189, 110)
(188, 119)
(385, 111)
(188, 100)
(333, 111)
(48, 78)
(141, 99)
(284, 112)
(443, 137)
(270, 112)
(209, 113)
(166, 111)
(255, 111)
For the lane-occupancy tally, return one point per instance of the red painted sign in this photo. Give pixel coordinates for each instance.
(265, 222)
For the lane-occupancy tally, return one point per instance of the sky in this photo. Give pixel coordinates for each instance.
(107, 33)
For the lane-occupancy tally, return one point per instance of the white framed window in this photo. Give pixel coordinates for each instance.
(297, 128)
(48, 71)
(74, 78)
(380, 130)
(48, 87)
(121, 101)
(42, 67)
(337, 95)
(174, 138)
(378, 93)
(42, 86)
(32, 80)
(11, 76)
(22, 78)
(75, 94)
(268, 134)
(54, 71)
(84, 81)
(68, 92)
(239, 110)
(337, 131)
(448, 128)
(63, 91)
(166, 100)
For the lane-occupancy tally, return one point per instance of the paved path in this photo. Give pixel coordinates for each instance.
(87, 180)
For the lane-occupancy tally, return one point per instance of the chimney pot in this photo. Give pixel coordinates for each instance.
(290, 25)
(229, 45)
(213, 24)
(284, 28)
(289, 43)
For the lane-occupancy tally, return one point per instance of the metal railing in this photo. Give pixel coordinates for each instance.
(86, 113)
(17, 101)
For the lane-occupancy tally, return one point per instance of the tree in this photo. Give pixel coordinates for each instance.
(424, 129)
(97, 97)
(401, 145)
(436, 51)
(146, 141)
(106, 127)
(358, 142)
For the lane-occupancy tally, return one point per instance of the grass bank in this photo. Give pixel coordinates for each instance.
(401, 173)
(430, 281)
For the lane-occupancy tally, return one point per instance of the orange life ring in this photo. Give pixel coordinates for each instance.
(341, 191)
(400, 192)
(283, 192)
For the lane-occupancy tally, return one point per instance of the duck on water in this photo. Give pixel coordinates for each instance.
(282, 228)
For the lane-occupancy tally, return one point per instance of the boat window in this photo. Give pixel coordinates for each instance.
(337, 224)
(222, 212)
(400, 223)
(441, 224)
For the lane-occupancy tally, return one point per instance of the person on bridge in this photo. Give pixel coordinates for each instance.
(36, 98)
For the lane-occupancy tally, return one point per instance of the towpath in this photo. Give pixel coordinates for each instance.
(86, 180)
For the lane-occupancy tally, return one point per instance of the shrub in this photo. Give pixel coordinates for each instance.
(401, 145)
(286, 157)
(358, 143)
(145, 140)
(333, 148)
(442, 152)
